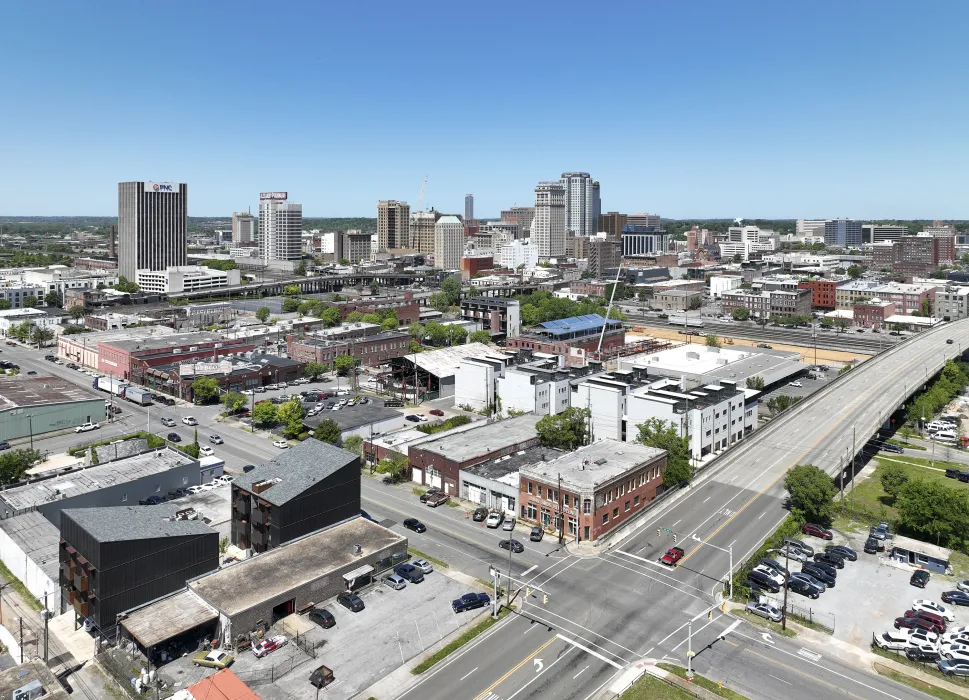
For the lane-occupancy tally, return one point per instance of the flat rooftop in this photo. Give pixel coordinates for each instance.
(75, 483)
(91, 340)
(445, 361)
(239, 587)
(464, 446)
(126, 523)
(175, 340)
(21, 391)
(501, 468)
(350, 417)
(168, 617)
(37, 537)
(295, 470)
(592, 465)
(712, 364)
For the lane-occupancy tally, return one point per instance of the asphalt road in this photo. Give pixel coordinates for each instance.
(621, 606)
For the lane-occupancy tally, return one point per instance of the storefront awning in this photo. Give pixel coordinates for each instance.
(359, 572)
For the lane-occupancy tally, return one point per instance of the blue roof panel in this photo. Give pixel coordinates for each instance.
(576, 323)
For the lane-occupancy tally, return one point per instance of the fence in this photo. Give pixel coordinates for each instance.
(813, 617)
(928, 667)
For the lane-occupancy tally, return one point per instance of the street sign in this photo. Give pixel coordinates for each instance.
(666, 529)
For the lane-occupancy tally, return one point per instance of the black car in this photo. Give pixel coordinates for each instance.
(323, 617)
(776, 566)
(151, 501)
(963, 477)
(31, 372)
(922, 654)
(412, 418)
(470, 601)
(952, 473)
(479, 514)
(842, 551)
(516, 546)
(4, 445)
(415, 525)
(873, 546)
(351, 601)
(830, 558)
(409, 572)
(762, 580)
(536, 534)
(430, 492)
(919, 579)
(820, 574)
(797, 585)
(248, 468)
(955, 597)
(174, 437)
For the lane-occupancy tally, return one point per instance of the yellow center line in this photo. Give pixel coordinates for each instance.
(802, 673)
(523, 662)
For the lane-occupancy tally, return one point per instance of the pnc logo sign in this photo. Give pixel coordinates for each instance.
(162, 187)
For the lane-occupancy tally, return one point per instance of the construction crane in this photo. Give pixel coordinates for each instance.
(420, 197)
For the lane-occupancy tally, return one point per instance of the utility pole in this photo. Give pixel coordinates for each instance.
(841, 481)
(46, 614)
(561, 514)
(854, 455)
(21, 639)
(787, 581)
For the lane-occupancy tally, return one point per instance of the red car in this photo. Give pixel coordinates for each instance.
(268, 645)
(672, 556)
(916, 623)
(817, 531)
(932, 618)
(436, 412)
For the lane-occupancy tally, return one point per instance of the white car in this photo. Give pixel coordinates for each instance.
(797, 384)
(494, 520)
(774, 576)
(86, 427)
(208, 487)
(894, 640)
(190, 420)
(954, 638)
(959, 630)
(281, 444)
(302, 380)
(247, 392)
(272, 387)
(920, 636)
(959, 652)
(206, 451)
(963, 586)
(223, 480)
(933, 607)
(195, 489)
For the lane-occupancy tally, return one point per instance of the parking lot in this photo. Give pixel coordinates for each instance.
(360, 649)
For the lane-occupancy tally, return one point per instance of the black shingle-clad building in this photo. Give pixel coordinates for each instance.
(114, 559)
(304, 489)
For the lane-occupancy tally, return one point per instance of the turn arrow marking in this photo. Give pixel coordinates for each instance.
(538, 665)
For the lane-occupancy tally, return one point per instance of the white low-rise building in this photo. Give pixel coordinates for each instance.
(14, 317)
(517, 253)
(539, 387)
(16, 293)
(186, 278)
(59, 278)
(724, 283)
(475, 380)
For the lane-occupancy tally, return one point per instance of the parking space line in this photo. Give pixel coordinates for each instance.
(587, 650)
(580, 673)
(529, 570)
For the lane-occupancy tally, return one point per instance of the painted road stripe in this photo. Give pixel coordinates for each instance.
(529, 570)
(469, 673)
(587, 650)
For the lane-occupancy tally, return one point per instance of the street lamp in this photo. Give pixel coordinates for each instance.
(30, 421)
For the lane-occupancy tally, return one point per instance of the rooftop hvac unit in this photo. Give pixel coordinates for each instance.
(31, 691)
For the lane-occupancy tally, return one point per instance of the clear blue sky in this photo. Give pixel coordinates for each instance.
(750, 109)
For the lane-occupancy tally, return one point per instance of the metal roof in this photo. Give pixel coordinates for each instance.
(168, 618)
(577, 323)
(126, 523)
(25, 391)
(297, 469)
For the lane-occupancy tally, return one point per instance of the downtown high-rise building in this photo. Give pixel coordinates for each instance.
(549, 224)
(393, 224)
(152, 226)
(469, 209)
(523, 216)
(644, 219)
(421, 237)
(243, 227)
(581, 203)
(448, 242)
(611, 224)
(844, 233)
(280, 227)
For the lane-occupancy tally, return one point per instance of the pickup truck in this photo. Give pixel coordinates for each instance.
(437, 499)
(673, 555)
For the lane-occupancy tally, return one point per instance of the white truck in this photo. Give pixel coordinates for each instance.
(110, 384)
(138, 395)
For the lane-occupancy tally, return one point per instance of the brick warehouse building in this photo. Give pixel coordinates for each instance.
(822, 292)
(371, 350)
(408, 311)
(116, 358)
(438, 462)
(575, 339)
(595, 489)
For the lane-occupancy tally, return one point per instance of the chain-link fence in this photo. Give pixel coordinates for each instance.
(810, 616)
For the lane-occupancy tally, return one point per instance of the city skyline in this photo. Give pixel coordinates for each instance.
(803, 121)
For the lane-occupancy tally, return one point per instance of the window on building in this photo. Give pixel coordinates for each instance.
(529, 487)
(636, 501)
(627, 506)
(124, 497)
(615, 512)
(605, 518)
(565, 499)
(587, 506)
(622, 489)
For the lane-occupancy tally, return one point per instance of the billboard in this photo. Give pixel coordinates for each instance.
(273, 195)
(198, 368)
(162, 187)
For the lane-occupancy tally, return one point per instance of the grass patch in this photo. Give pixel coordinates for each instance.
(18, 585)
(870, 498)
(960, 565)
(418, 491)
(704, 683)
(844, 523)
(810, 624)
(451, 504)
(927, 463)
(463, 639)
(434, 560)
(927, 688)
(652, 688)
(772, 626)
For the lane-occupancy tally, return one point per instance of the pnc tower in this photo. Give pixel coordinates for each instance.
(152, 226)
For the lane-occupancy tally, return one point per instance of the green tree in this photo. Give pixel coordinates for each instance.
(77, 312)
(305, 308)
(204, 389)
(755, 382)
(331, 317)
(265, 413)
(812, 493)
(907, 432)
(926, 306)
(712, 341)
(656, 432)
(125, 286)
(738, 258)
(372, 318)
(374, 288)
(30, 302)
(353, 443)
(846, 368)
(52, 299)
(291, 414)
(328, 431)
(893, 478)
(5, 304)
(354, 317)
(855, 271)
(417, 331)
(314, 369)
(344, 364)
(439, 302)
(740, 314)
(233, 401)
(262, 313)
(15, 463)
(290, 305)
(479, 337)
(291, 290)
(394, 465)
(933, 511)
(566, 431)
(414, 347)
(41, 336)
(452, 288)
(456, 335)
(389, 324)
(436, 333)
(300, 269)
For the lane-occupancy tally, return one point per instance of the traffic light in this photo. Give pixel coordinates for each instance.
(545, 599)
(674, 538)
(528, 592)
(659, 532)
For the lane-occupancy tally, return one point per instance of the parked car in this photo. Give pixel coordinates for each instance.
(775, 565)
(954, 667)
(873, 546)
(842, 551)
(811, 581)
(151, 501)
(213, 659)
(673, 555)
(803, 546)
(796, 585)
(515, 546)
(963, 586)
(409, 572)
(914, 623)
(820, 574)
(958, 652)
(826, 567)
(829, 558)
(762, 580)
(930, 606)
(206, 451)
(430, 492)
(281, 444)
(412, 418)
(793, 553)
(494, 519)
(536, 534)
(394, 581)
(775, 576)
(817, 531)
(436, 412)
(955, 597)
(248, 468)
(508, 525)
(85, 427)
(189, 420)
(216, 440)
(424, 565)
(479, 514)
(414, 524)
(4, 445)
(269, 645)
(893, 641)
(321, 616)
(919, 579)
(470, 601)
(351, 601)
(765, 610)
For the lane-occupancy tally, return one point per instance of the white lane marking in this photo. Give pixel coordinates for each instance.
(530, 628)
(469, 673)
(651, 578)
(762, 515)
(696, 632)
(586, 629)
(813, 655)
(731, 544)
(580, 673)
(587, 650)
(529, 570)
(706, 499)
(779, 679)
(556, 573)
(677, 522)
(538, 675)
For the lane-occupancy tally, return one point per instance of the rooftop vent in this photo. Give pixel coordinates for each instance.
(357, 549)
(601, 460)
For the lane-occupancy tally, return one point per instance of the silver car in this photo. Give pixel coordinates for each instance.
(423, 565)
(771, 612)
(394, 581)
(792, 553)
(508, 525)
